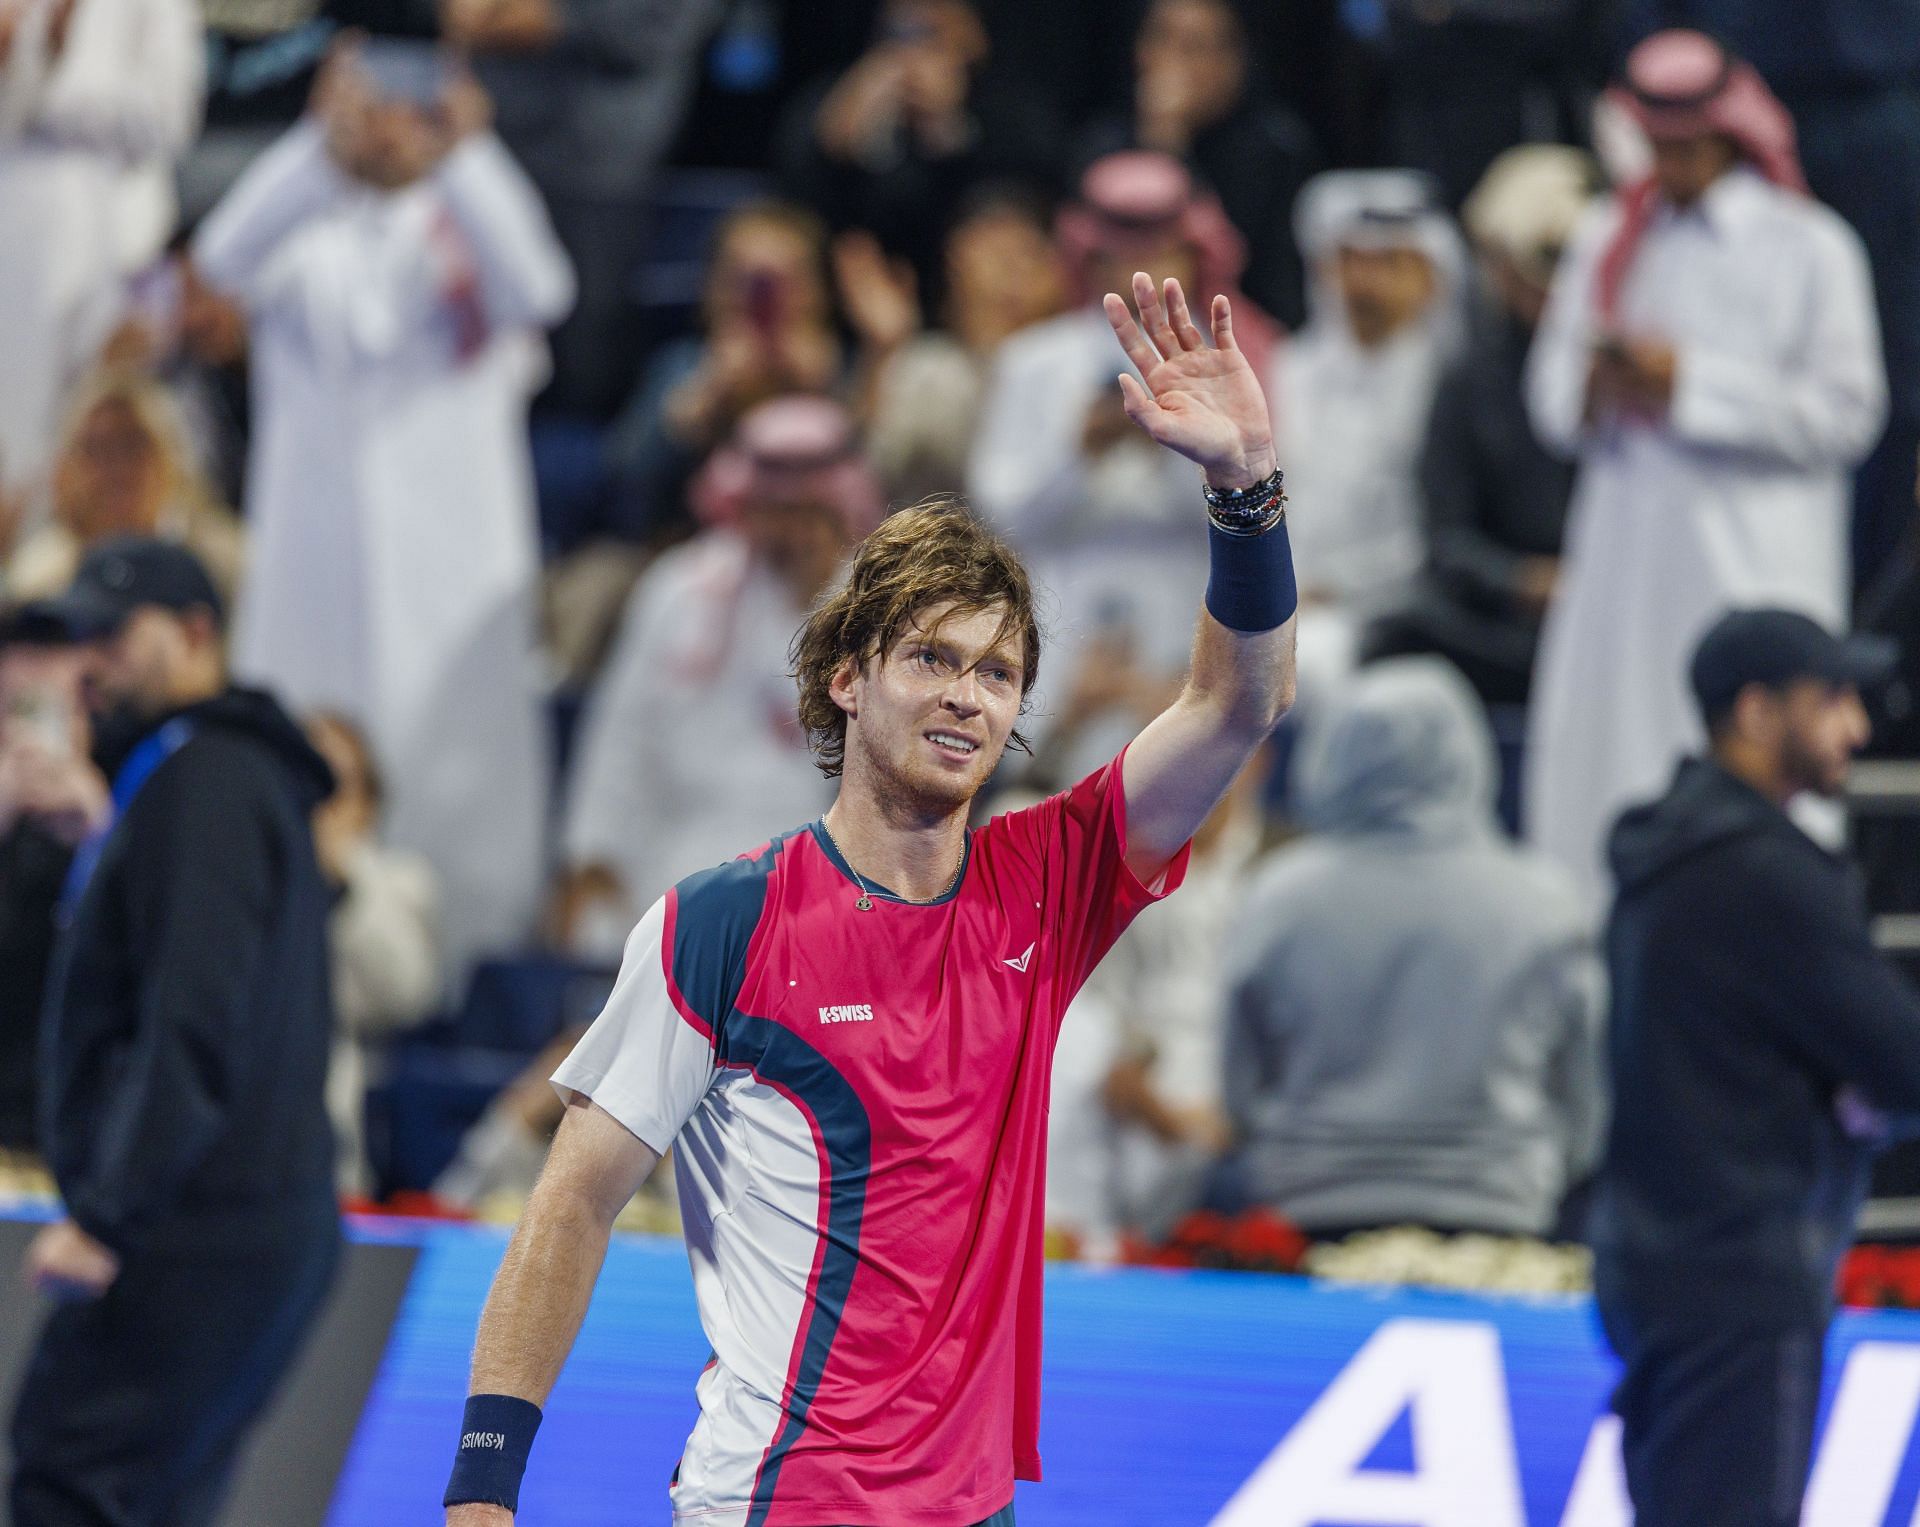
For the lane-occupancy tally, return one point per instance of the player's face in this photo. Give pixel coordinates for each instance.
(931, 716)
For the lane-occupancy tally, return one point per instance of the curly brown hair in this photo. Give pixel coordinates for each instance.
(935, 553)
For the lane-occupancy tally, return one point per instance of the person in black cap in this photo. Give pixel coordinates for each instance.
(183, 1058)
(1756, 1037)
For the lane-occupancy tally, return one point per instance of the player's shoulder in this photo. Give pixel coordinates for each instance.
(709, 922)
(732, 897)
(1022, 818)
(1030, 821)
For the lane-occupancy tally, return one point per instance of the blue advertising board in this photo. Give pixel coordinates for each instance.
(1211, 1399)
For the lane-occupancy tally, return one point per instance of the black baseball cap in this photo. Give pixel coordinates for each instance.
(1777, 647)
(118, 577)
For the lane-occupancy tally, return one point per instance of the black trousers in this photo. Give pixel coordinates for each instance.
(133, 1406)
(1717, 1423)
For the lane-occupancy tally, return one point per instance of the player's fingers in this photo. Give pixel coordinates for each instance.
(1128, 333)
(1153, 313)
(1184, 327)
(1135, 399)
(1223, 323)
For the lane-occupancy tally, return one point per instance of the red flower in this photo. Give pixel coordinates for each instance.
(1257, 1241)
(1881, 1277)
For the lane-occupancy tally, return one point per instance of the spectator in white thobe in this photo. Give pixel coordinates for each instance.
(691, 748)
(98, 99)
(1106, 520)
(1353, 393)
(1710, 353)
(398, 270)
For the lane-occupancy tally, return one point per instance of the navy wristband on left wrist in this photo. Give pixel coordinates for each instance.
(496, 1435)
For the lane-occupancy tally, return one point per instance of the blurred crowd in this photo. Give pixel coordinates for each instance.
(521, 371)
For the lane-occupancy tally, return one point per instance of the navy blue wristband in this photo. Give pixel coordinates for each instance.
(495, 1438)
(1250, 586)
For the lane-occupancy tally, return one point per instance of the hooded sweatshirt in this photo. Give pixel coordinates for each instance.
(185, 1043)
(1746, 993)
(1413, 1032)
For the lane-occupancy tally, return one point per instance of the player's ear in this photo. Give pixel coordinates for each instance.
(841, 688)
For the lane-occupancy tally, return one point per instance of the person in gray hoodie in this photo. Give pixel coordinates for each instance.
(1414, 1025)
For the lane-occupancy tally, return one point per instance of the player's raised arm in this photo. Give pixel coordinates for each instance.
(1204, 401)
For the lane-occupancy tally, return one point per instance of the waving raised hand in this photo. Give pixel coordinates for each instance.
(1200, 400)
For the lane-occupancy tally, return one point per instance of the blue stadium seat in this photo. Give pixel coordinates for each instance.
(431, 1097)
(688, 206)
(569, 479)
(519, 1004)
(439, 1079)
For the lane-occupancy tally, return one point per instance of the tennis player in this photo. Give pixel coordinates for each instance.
(848, 1032)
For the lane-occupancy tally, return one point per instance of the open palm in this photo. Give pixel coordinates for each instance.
(1198, 399)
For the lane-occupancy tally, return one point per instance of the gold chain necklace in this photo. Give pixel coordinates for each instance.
(865, 903)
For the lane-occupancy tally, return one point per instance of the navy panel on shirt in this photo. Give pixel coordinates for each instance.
(716, 912)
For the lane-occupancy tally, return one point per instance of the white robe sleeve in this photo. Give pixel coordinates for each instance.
(131, 82)
(1563, 343)
(385, 938)
(526, 279)
(1026, 472)
(291, 183)
(1824, 406)
(614, 802)
(23, 74)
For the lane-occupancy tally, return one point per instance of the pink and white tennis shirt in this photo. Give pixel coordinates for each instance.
(859, 1103)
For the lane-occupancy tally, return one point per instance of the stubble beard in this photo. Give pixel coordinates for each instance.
(1809, 771)
(904, 796)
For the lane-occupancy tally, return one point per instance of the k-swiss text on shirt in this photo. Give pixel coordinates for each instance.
(857, 1102)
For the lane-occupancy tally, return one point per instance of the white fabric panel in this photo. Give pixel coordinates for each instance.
(641, 1060)
(749, 1177)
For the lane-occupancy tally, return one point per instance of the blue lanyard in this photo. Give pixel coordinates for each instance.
(135, 772)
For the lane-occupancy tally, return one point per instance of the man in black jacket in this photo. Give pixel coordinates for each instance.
(183, 1060)
(1754, 1029)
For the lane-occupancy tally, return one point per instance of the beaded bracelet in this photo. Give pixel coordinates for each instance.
(1248, 511)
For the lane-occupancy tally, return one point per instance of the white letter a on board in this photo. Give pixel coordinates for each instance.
(1447, 1375)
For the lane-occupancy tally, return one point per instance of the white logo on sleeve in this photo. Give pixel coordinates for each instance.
(1021, 963)
(858, 1012)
